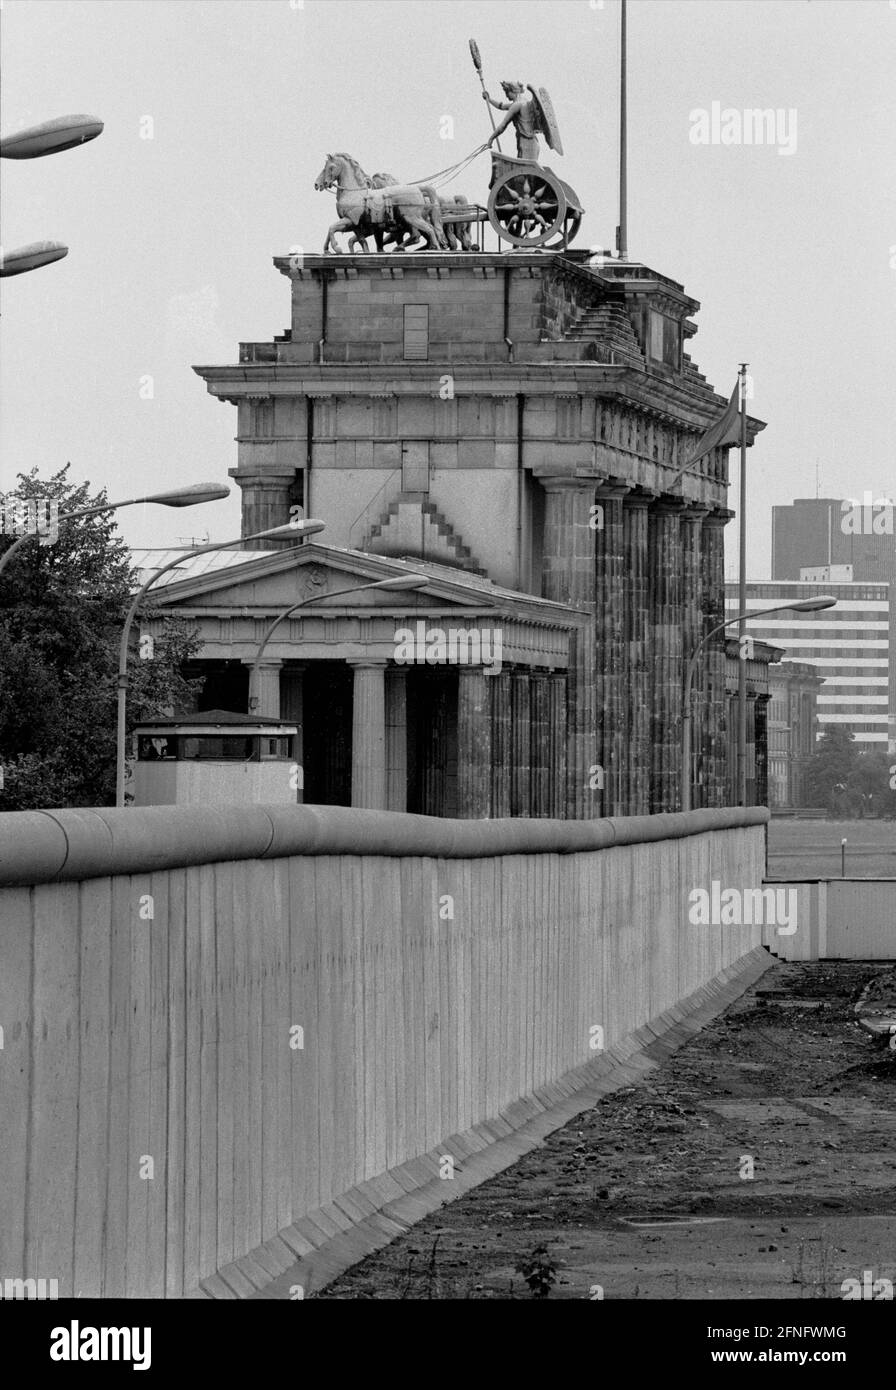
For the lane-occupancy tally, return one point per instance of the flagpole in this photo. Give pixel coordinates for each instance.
(622, 229)
(742, 601)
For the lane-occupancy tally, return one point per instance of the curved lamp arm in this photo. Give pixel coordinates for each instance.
(411, 581)
(275, 623)
(797, 606)
(190, 496)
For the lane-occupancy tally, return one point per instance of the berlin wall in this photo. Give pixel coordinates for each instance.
(216, 1023)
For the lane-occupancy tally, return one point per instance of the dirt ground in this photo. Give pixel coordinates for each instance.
(649, 1194)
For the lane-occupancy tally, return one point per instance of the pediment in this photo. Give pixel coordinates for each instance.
(271, 581)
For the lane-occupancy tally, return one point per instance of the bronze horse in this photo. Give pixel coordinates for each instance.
(365, 211)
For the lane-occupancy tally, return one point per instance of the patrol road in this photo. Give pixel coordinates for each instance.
(649, 1195)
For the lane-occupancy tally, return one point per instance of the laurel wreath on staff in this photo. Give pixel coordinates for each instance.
(446, 175)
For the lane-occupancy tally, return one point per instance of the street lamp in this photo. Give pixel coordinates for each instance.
(411, 581)
(299, 528)
(190, 496)
(807, 605)
(50, 137)
(31, 257)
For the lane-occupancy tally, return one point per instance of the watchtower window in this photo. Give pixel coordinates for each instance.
(416, 332)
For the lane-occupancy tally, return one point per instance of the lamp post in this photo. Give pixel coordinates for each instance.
(301, 528)
(190, 496)
(742, 596)
(411, 581)
(808, 605)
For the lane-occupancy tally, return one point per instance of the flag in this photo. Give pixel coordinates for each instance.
(726, 429)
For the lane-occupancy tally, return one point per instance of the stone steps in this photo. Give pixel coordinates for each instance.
(608, 324)
(448, 547)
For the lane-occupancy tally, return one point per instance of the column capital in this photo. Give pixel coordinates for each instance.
(270, 478)
(567, 482)
(668, 506)
(611, 492)
(266, 662)
(367, 663)
(718, 517)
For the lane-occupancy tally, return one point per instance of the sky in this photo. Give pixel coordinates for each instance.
(217, 119)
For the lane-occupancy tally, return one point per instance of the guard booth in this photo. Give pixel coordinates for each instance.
(215, 758)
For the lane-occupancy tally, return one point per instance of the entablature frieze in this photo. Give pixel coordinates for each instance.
(360, 639)
(669, 403)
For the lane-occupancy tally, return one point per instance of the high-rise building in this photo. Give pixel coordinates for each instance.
(828, 531)
(853, 646)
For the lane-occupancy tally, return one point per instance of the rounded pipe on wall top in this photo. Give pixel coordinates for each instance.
(66, 845)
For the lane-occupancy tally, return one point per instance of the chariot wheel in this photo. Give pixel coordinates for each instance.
(567, 232)
(527, 207)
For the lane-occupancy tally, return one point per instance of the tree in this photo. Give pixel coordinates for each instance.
(831, 770)
(62, 609)
(874, 782)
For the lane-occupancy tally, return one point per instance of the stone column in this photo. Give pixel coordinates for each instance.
(474, 753)
(712, 752)
(267, 689)
(730, 792)
(609, 646)
(692, 631)
(664, 534)
(397, 738)
(501, 752)
(540, 745)
(369, 734)
(751, 747)
(520, 777)
(557, 745)
(760, 734)
(636, 801)
(292, 709)
(568, 577)
(266, 502)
